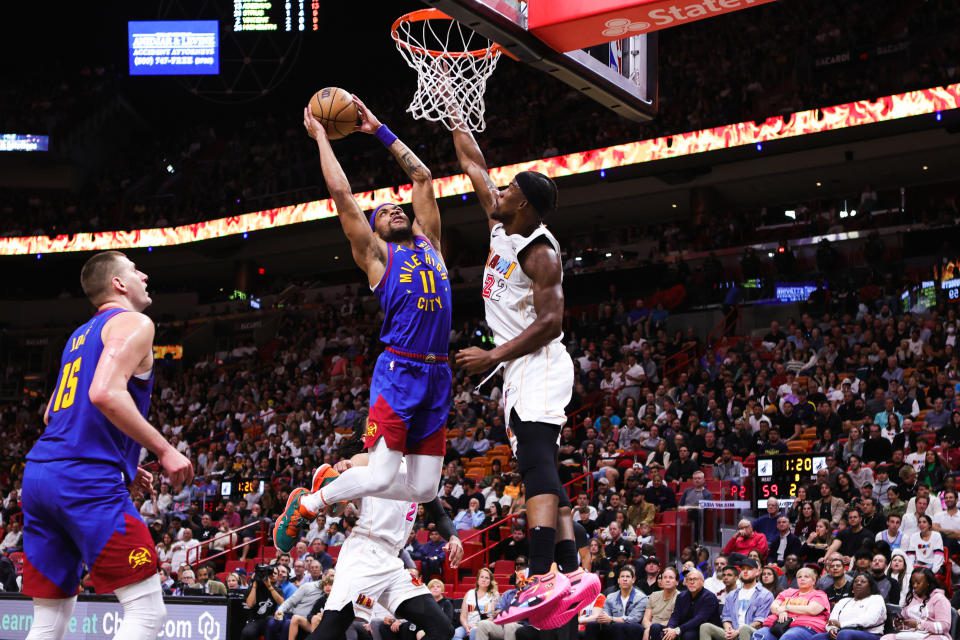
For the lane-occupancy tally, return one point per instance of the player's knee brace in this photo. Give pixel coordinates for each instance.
(143, 610)
(536, 457)
(424, 612)
(50, 618)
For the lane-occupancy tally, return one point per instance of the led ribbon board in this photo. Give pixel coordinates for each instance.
(844, 116)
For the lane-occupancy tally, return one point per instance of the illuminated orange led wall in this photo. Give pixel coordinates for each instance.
(853, 114)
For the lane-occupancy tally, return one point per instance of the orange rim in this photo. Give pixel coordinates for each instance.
(423, 15)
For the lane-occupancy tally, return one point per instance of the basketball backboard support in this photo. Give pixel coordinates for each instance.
(621, 75)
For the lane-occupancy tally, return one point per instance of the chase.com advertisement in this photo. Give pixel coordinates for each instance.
(95, 620)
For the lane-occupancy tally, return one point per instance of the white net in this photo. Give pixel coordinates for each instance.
(453, 64)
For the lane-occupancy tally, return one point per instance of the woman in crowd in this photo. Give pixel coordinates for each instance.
(478, 604)
(899, 570)
(925, 547)
(598, 559)
(859, 617)
(927, 613)
(845, 489)
(165, 548)
(770, 579)
(817, 542)
(660, 603)
(803, 610)
(806, 522)
(933, 473)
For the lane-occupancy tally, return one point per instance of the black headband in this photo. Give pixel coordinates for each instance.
(539, 190)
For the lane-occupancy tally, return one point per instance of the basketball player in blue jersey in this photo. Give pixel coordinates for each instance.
(523, 300)
(411, 386)
(76, 485)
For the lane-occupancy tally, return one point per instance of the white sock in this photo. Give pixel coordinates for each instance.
(383, 478)
(50, 618)
(143, 610)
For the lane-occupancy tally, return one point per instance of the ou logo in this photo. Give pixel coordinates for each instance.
(623, 26)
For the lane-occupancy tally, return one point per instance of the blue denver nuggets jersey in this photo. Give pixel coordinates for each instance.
(415, 296)
(78, 430)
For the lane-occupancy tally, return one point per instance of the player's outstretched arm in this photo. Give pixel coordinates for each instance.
(369, 252)
(542, 264)
(424, 200)
(127, 342)
(473, 164)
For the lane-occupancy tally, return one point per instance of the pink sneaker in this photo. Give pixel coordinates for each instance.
(584, 588)
(541, 595)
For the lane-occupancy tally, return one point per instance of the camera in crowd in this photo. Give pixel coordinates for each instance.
(262, 572)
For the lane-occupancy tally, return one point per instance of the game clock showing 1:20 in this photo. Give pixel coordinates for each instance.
(239, 488)
(780, 476)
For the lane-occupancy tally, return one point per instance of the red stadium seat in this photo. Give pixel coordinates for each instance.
(503, 566)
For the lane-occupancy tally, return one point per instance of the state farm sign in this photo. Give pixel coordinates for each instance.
(567, 25)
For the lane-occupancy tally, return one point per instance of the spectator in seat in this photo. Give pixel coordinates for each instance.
(852, 538)
(694, 607)
(744, 609)
(726, 468)
(746, 540)
(659, 494)
(837, 582)
(431, 554)
(860, 616)
(693, 495)
(806, 605)
(927, 610)
(470, 518)
(661, 603)
(212, 586)
(318, 552)
(515, 545)
(767, 523)
(683, 467)
(488, 629)
(828, 506)
(622, 613)
(785, 543)
(887, 586)
(300, 603)
(640, 511)
(13, 541)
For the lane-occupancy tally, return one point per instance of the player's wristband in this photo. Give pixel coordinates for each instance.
(385, 136)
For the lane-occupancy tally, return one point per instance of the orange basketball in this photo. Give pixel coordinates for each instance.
(336, 111)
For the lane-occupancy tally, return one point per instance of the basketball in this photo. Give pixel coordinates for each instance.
(336, 111)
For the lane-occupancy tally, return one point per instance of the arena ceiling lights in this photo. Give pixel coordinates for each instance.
(852, 114)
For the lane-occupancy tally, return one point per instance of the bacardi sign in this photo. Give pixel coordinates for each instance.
(567, 25)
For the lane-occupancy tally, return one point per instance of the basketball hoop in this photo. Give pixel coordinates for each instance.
(452, 63)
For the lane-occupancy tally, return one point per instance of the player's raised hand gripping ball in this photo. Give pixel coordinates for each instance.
(336, 110)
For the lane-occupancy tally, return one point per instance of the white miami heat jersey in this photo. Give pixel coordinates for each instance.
(538, 385)
(386, 521)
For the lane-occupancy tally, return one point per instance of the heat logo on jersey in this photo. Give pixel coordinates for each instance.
(371, 430)
(501, 265)
(427, 272)
(365, 601)
(139, 557)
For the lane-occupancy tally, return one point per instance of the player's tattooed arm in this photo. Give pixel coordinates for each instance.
(425, 208)
(369, 251)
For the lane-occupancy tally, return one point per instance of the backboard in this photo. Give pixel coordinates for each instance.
(621, 75)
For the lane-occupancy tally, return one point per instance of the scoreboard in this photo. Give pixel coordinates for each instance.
(780, 476)
(276, 15)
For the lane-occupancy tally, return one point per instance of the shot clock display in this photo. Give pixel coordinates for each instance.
(780, 476)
